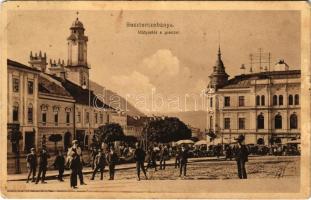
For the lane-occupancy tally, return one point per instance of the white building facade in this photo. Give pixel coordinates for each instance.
(264, 107)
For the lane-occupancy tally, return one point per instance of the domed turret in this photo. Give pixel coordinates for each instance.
(77, 24)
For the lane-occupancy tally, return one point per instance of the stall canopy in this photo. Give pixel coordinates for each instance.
(201, 142)
(184, 142)
(294, 142)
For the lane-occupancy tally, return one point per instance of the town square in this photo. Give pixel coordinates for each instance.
(139, 103)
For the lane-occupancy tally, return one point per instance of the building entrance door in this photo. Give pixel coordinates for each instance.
(29, 141)
(67, 140)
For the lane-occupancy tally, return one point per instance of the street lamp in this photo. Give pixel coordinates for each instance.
(84, 86)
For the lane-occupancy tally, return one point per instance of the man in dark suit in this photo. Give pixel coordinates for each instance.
(99, 164)
(43, 163)
(112, 159)
(152, 159)
(31, 164)
(241, 156)
(139, 157)
(76, 149)
(59, 164)
(163, 157)
(183, 160)
(74, 165)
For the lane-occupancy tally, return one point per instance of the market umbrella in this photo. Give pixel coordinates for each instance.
(184, 142)
(294, 142)
(201, 142)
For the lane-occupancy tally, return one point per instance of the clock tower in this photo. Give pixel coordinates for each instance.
(77, 54)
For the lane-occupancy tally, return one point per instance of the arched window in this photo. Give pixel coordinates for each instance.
(275, 100)
(260, 121)
(257, 100)
(30, 113)
(278, 121)
(290, 100)
(15, 112)
(262, 100)
(293, 121)
(296, 99)
(281, 100)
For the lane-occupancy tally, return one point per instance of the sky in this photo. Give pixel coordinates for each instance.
(159, 73)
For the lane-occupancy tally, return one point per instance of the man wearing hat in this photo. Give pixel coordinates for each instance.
(99, 164)
(112, 160)
(75, 149)
(241, 156)
(31, 164)
(43, 163)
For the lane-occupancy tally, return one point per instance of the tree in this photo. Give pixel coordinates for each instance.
(166, 130)
(109, 133)
(55, 138)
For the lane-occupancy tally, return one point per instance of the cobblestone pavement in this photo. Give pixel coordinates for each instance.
(267, 173)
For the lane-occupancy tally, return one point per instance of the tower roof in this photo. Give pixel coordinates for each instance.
(219, 63)
(77, 24)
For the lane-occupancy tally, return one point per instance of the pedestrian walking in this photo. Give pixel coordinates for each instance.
(241, 157)
(139, 157)
(31, 159)
(152, 159)
(93, 155)
(76, 149)
(59, 164)
(99, 164)
(183, 161)
(177, 157)
(43, 163)
(163, 157)
(74, 162)
(112, 159)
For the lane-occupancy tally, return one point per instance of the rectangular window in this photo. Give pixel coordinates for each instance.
(43, 118)
(95, 117)
(30, 87)
(241, 123)
(15, 113)
(227, 101)
(101, 116)
(227, 123)
(211, 102)
(79, 117)
(241, 101)
(56, 118)
(15, 84)
(87, 117)
(67, 117)
(30, 115)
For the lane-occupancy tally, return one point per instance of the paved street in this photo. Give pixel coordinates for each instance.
(268, 174)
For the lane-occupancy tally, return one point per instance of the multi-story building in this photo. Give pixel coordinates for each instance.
(22, 104)
(55, 113)
(263, 106)
(55, 99)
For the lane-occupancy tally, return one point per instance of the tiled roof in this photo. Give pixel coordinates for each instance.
(80, 95)
(20, 65)
(49, 87)
(244, 80)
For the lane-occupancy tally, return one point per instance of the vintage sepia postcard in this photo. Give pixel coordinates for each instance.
(155, 99)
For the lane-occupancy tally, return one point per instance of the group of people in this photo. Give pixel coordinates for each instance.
(108, 156)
